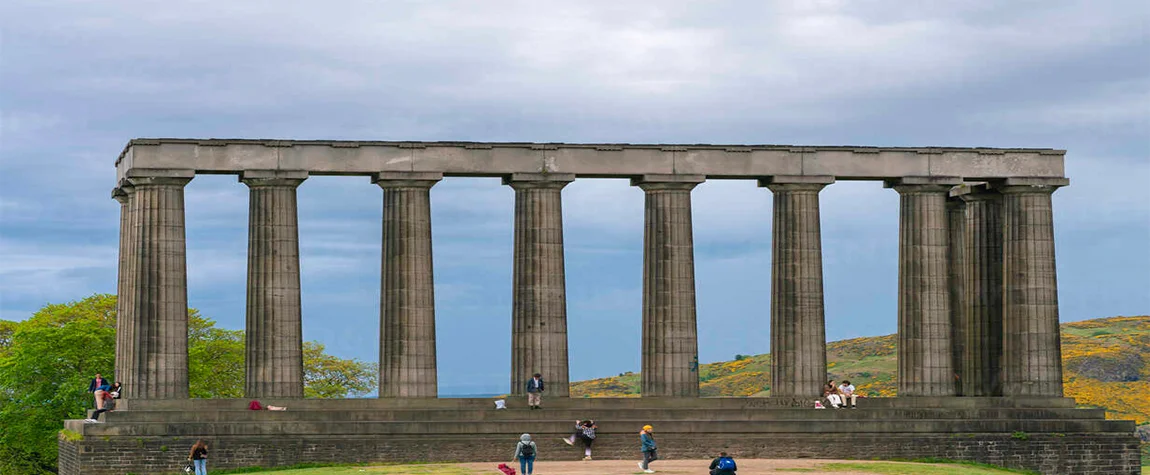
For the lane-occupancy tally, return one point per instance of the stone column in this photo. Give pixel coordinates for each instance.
(1032, 350)
(274, 337)
(982, 301)
(407, 295)
(956, 212)
(125, 298)
(798, 321)
(924, 347)
(539, 300)
(670, 341)
(158, 283)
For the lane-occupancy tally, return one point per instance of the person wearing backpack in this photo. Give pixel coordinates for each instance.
(723, 465)
(525, 452)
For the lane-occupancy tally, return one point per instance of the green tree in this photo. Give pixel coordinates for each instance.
(44, 374)
(47, 361)
(215, 359)
(326, 376)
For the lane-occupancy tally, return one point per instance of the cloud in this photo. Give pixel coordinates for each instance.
(81, 78)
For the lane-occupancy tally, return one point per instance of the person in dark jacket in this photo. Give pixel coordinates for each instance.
(535, 391)
(723, 465)
(98, 386)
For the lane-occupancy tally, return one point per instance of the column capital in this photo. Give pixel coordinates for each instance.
(406, 179)
(158, 173)
(538, 180)
(813, 183)
(974, 192)
(667, 182)
(923, 184)
(289, 178)
(158, 181)
(121, 193)
(1031, 185)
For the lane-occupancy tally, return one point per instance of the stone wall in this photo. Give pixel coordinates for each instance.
(1069, 454)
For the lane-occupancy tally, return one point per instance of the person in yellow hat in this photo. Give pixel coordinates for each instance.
(650, 450)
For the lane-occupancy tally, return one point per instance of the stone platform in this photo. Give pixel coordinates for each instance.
(1046, 434)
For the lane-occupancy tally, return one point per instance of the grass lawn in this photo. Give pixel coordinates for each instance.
(900, 468)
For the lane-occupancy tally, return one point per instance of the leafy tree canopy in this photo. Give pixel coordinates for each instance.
(47, 361)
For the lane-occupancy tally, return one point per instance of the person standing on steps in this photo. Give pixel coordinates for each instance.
(98, 386)
(199, 457)
(585, 431)
(535, 391)
(723, 465)
(650, 450)
(525, 453)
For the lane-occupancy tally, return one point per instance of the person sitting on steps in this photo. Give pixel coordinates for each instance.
(831, 394)
(847, 392)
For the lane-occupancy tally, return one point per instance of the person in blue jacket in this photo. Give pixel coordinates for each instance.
(723, 465)
(650, 450)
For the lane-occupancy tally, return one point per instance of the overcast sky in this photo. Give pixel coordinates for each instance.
(78, 79)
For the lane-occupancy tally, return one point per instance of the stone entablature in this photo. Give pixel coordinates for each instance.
(143, 157)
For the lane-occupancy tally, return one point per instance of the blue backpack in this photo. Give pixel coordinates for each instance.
(726, 463)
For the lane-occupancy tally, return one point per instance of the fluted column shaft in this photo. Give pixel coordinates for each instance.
(125, 297)
(670, 336)
(159, 322)
(539, 300)
(274, 336)
(982, 359)
(924, 314)
(407, 365)
(798, 320)
(1032, 351)
(956, 212)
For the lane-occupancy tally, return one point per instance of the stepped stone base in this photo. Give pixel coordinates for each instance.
(1045, 434)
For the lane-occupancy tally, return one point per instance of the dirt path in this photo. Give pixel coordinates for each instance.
(680, 467)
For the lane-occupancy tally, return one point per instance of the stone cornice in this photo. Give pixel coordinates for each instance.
(588, 160)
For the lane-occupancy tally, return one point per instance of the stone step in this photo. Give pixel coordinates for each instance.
(622, 426)
(592, 403)
(569, 415)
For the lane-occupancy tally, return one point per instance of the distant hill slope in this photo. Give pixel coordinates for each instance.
(1104, 360)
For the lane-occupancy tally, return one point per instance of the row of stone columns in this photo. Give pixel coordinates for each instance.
(977, 311)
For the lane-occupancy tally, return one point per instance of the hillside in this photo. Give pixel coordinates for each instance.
(1104, 359)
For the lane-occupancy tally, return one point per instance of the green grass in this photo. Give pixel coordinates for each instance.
(906, 468)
